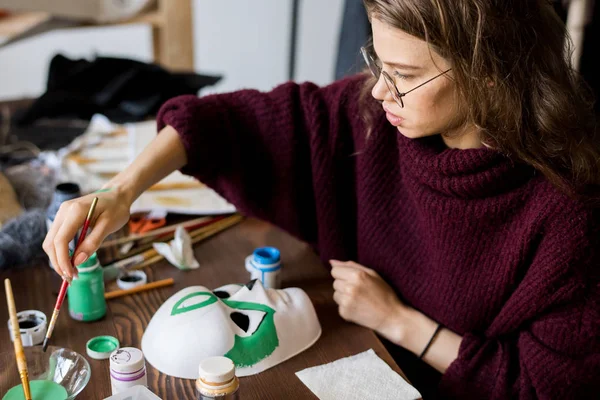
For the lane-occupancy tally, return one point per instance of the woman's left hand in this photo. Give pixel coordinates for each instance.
(364, 298)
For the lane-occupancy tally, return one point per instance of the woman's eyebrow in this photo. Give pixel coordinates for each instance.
(402, 66)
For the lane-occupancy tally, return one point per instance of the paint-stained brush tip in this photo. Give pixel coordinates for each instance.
(45, 345)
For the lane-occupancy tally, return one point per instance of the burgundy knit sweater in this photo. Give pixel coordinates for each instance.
(485, 246)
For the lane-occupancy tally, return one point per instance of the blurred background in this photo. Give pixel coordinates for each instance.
(249, 43)
(75, 71)
(257, 43)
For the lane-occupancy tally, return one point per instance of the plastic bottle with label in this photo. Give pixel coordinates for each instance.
(127, 369)
(86, 291)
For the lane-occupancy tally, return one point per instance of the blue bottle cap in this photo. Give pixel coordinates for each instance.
(266, 255)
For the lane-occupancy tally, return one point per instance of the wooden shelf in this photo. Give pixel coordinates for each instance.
(153, 18)
(172, 33)
(13, 26)
(171, 22)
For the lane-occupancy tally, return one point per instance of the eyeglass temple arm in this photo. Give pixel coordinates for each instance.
(427, 81)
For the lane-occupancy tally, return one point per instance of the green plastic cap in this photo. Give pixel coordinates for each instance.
(101, 347)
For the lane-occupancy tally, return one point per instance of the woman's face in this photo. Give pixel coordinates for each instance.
(429, 109)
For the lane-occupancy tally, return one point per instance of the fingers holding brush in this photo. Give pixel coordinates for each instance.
(93, 240)
(71, 223)
(112, 212)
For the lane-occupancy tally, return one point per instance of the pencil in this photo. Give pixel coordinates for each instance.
(19, 352)
(65, 282)
(141, 288)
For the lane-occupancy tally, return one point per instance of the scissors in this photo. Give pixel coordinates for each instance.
(142, 223)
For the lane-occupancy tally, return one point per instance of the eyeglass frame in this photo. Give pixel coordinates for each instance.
(389, 82)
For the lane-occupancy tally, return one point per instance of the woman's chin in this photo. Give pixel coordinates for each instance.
(409, 133)
(413, 133)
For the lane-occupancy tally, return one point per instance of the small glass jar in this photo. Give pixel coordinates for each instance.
(62, 192)
(127, 369)
(86, 292)
(217, 380)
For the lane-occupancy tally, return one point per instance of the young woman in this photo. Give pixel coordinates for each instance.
(454, 204)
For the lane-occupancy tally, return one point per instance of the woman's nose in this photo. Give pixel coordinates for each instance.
(380, 91)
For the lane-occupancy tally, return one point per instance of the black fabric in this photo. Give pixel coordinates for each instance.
(422, 376)
(121, 89)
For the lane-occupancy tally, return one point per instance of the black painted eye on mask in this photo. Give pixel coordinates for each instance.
(221, 294)
(241, 320)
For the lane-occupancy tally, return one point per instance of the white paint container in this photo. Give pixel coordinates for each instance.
(127, 369)
(217, 380)
(32, 325)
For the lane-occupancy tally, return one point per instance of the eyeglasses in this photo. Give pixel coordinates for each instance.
(377, 71)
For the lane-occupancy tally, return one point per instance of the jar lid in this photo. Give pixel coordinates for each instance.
(216, 370)
(131, 279)
(127, 360)
(90, 264)
(101, 347)
(266, 255)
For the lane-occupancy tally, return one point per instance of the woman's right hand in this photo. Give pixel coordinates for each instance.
(112, 212)
(163, 155)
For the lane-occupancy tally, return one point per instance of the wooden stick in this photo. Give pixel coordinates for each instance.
(188, 227)
(200, 234)
(146, 243)
(206, 231)
(19, 352)
(156, 232)
(148, 262)
(129, 262)
(196, 236)
(141, 288)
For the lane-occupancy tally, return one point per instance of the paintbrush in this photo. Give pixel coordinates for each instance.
(19, 352)
(197, 236)
(146, 243)
(157, 232)
(151, 256)
(65, 282)
(137, 289)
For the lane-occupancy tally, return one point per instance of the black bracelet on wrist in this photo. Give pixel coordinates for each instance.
(435, 333)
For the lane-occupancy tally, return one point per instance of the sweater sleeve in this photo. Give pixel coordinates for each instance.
(545, 343)
(263, 151)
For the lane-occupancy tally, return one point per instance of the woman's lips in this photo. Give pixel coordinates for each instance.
(393, 118)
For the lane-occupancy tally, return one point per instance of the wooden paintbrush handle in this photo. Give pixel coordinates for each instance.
(141, 288)
(197, 236)
(19, 352)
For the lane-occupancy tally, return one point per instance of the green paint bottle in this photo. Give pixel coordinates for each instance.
(86, 292)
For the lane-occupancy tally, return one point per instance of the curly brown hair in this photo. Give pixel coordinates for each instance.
(514, 80)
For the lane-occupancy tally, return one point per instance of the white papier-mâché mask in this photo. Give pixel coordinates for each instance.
(255, 327)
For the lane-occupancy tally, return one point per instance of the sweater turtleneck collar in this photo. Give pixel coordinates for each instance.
(470, 173)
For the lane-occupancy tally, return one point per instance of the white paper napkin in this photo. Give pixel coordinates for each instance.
(358, 377)
(178, 251)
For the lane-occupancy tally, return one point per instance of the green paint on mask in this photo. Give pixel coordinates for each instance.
(248, 351)
(178, 309)
(103, 190)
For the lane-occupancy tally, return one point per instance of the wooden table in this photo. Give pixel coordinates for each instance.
(222, 262)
